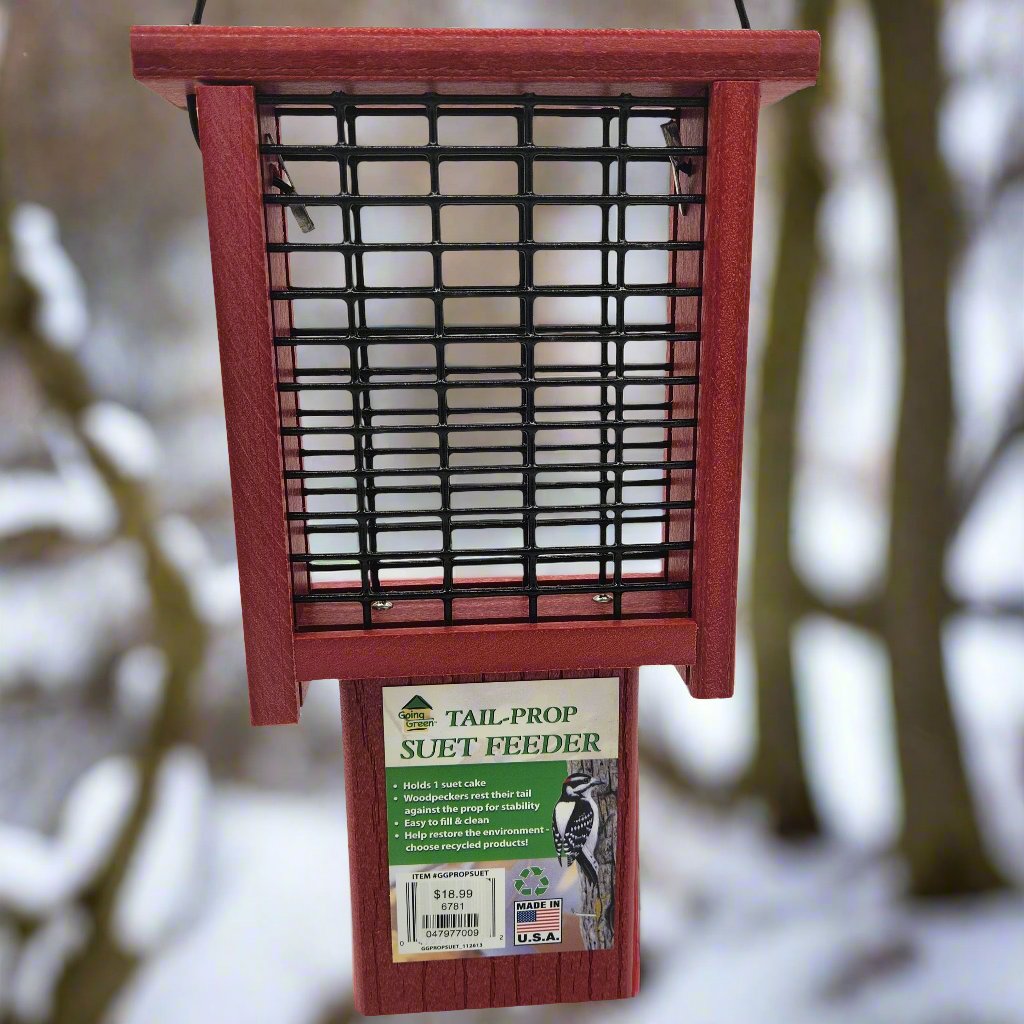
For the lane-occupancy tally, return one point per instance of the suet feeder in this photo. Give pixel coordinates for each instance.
(485, 461)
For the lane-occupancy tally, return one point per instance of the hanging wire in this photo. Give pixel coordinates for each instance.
(193, 116)
(741, 10)
(190, 100)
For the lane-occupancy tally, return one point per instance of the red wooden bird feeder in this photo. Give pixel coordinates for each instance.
(482, 303)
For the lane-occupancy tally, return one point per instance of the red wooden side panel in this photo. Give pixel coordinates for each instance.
(228, 129)
(382, 986)
(728, 226)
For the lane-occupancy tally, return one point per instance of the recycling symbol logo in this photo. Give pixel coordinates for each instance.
(532, 882)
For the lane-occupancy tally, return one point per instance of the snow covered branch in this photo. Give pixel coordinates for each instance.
(119, 448)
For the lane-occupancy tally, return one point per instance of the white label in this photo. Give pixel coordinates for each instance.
(451, 910)
(503, 817)
(492, 723)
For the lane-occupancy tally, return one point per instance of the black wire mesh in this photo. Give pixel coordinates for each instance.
(487, 352)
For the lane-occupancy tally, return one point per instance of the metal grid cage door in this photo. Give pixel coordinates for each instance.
(487, 333)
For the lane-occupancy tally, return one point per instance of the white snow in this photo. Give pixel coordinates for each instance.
(273, 945)
(737, 928)
(41, 962)
(124, 437)
(163, 887)
(62, 315)
(40, 873)
(840, 533)
(214, 586)
(986, 665)
(734, 928)
(991, 112)
(31, 500)
(72, 500)
(139, 681)
(842, 677)
(981, 36)
(57, 618)
(856, 220)
(712, 738)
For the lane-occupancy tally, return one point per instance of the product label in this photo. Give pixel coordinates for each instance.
(502, 809)
(451, 910)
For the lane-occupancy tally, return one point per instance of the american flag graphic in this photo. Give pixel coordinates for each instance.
(543, 920)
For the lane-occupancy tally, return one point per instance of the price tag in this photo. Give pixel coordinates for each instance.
(451, 910)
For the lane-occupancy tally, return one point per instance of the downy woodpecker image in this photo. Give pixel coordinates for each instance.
(575, 824)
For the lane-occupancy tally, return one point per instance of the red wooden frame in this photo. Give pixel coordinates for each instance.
(172, 60)
(728, 234)
(241, 285)
(743, 70)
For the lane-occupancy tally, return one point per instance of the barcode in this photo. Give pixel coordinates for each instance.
(436, 922)
(448, 910)
(432, 921)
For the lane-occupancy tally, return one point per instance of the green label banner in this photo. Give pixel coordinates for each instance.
(493, 812)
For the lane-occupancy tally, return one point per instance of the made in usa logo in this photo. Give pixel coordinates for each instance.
(538, 922)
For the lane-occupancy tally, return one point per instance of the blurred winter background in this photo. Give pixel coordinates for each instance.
(843, 843)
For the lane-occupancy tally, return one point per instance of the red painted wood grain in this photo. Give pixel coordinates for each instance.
(520, 647)
(382, 986)
(171, 60)
(728, 228)
(238, 243)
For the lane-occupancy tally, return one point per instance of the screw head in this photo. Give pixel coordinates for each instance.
(382, 606)
(603, 599)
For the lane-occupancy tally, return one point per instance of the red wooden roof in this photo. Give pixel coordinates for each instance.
(171, 60)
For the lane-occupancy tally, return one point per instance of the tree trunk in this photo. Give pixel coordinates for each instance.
(777, 773)
(940, 837)
(599, 901)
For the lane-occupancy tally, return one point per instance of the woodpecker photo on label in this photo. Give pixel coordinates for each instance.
(575, 824)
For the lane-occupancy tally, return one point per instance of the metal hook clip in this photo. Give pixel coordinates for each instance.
(679, 166)
(282, 181)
